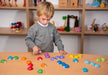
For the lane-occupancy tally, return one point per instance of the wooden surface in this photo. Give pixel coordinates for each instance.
(18, 67)
(8, 31)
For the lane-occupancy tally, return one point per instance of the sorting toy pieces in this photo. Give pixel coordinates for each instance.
(76, 56)
(102, 59)
(47, 55)
(39, 58)
(75, 60)
(10, 58)
(85, 70)
(3, 61)
(30, 66)
(40, 71)
(92, 63)
(43, 65)
(23, 58)
(16, 57)
(57, 57)
(63, 64)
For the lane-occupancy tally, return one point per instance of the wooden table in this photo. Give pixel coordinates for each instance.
(18, 67)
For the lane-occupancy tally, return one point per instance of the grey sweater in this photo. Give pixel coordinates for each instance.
(43, 37)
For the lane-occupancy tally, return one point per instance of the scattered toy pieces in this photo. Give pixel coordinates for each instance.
(97, 65)
(10, 58)
(71, 56)
(40, 71)
(103, 59)
(47, 55)
(85, 70)
(75, 60)
(23, 58)
(43, 65)
(16, 57)
(39, 58)
(63, 64)
(28, 62)
(52, 58)
(30, 68)
(87, 62)
(3, 61)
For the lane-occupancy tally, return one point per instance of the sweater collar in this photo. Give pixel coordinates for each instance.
(42, 24)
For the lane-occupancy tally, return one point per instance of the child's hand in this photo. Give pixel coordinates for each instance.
(36, 50)
(63, 52)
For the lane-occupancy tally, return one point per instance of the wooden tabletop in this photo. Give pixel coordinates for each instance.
(18, 67)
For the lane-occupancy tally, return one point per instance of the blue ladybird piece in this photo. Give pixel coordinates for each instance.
(63, 64)
(85, 70)
(92, 63)
(10, 58)
(61, 57)
(59, 62)
(66, 66)
(97, 65)
(75, 60)
(52, 59)
(57, 57)
(87, 62)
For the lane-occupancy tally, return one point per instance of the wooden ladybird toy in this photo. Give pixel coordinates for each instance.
(23, 58)
(28, 62)
(39, 58)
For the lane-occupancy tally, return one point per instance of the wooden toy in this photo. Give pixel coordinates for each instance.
(85, 70)
(16, 57)
(43, 65)
(74, 3)
(10, 58)
(39, 58)
(28, 62)
(9, 3)
(40, 71)
(30, 68)
(3, 61)
(23, 58)
(63, 3)
(20, 3)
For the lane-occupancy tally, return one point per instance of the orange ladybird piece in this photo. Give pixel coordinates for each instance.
(28, 62)
(43, 65)
(23, 58)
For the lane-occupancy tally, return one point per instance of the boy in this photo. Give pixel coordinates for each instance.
(42, 34)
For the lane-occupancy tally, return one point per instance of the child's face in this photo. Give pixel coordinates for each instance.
(44, 20)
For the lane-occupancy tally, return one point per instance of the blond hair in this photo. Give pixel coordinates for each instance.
(45, 8)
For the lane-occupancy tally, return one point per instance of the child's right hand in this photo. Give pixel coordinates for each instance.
(36, 50)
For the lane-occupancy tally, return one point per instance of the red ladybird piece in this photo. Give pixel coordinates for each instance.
(30, 64)
(30, 68)
(39, 58)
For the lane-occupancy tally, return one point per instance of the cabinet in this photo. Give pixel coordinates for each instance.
(81, 8)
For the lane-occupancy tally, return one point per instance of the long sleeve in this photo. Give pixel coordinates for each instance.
(30, 38)
(57, 40)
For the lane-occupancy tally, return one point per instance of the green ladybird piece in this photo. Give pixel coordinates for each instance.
(40, 71)
(16, 57)
(98, 60)
(3, 61)
(103, 59)
(64, 17)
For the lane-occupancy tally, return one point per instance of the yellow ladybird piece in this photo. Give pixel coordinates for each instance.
(76, 57)
(70, 56)
(79, 55)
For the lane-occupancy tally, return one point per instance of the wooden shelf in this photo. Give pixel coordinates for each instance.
(96, 33)
(12, 7)
(95, 8)
(71, 32)
(61, 8)
(8, 31)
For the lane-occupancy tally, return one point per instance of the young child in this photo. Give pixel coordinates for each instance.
(42, 34)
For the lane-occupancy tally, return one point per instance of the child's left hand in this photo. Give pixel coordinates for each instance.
(62, 52)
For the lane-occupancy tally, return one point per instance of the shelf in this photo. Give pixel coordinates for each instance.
(96, 33)
(95, 8)
(71, 32)
(61, 8)
(8, 31)
(12, 7)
